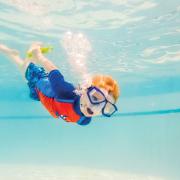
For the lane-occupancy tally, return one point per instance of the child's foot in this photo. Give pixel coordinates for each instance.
(8, 51)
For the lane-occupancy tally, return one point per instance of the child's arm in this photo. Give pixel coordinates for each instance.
(42, 60)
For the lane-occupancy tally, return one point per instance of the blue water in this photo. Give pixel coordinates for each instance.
(135, 41)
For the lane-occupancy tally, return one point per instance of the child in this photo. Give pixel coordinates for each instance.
(59, 97)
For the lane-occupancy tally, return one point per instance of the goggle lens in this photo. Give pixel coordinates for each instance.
(97, 97)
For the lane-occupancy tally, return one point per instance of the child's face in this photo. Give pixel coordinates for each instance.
(87, 108)
(90, 109)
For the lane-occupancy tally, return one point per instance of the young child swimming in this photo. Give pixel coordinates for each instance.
(61, 98)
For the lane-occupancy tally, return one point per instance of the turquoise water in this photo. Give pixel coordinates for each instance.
(137, 42)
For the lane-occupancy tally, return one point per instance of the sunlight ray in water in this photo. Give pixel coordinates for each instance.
(77, 173)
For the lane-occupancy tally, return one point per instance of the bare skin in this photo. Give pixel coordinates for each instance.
(12, 54)
(37, 57)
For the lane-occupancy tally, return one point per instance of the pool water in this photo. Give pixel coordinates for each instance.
(135, 41)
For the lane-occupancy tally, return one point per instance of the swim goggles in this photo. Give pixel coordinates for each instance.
(100, 101)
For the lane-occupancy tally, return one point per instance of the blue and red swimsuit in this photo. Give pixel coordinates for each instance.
(55, 94)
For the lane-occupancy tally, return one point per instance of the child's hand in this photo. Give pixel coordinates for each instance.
(34, 51)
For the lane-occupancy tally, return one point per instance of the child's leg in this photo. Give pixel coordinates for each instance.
(14, 56)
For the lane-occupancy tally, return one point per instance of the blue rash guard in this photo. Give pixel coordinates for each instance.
(56, 94)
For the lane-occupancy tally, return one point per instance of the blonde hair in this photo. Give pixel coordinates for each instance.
(108, 83)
